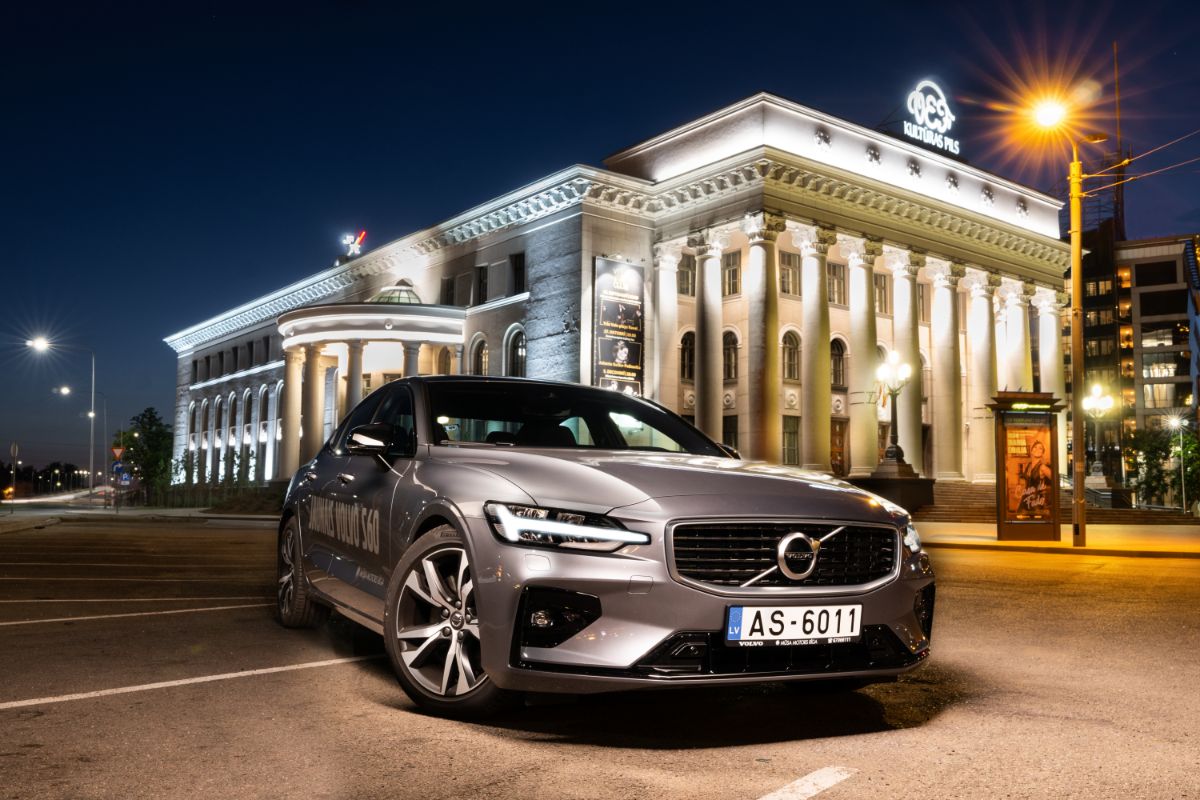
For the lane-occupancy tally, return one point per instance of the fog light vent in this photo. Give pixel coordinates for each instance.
(923, 608)
(548, 617)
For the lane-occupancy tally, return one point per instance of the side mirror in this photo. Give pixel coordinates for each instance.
(367, 440)
(730, 451)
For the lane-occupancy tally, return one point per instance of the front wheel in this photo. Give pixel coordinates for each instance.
(431, 630)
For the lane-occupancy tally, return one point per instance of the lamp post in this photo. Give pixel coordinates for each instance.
(1096, 405)
(41, 344)
(1177, 424)
(1052, 116)
(892, 376)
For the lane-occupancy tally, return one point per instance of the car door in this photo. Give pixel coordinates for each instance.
(361, 497)
(327, 533)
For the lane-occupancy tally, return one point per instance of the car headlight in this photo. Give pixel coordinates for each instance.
(912, 539)
(550, 527)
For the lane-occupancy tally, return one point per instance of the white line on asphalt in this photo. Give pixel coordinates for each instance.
(129, 599)
(130, 614)
(64, 698)
(811, 784)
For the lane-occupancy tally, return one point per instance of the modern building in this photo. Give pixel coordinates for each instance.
(747, 269)
(1139, 318)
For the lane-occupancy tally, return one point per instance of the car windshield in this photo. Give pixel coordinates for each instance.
(513, 414)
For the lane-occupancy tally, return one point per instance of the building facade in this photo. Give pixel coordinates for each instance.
(778, 254)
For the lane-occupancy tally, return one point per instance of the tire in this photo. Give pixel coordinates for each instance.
(293, 601)
(431, 630)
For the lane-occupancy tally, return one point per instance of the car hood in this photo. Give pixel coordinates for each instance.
(679, 484)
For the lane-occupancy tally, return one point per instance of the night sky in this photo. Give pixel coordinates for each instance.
(163, 162)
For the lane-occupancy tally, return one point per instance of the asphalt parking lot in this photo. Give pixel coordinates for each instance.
(142, 660)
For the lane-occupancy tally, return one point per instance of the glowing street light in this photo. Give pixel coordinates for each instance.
(1054, 116)
(41, 344)
(893, 376)
(1178, 424)
(1096, 405)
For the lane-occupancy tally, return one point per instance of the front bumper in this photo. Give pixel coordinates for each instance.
(655, 631)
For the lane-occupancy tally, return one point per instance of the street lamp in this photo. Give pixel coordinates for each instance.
(1051, 115)
(1096, 405)
(893, 376)
(41, 344)
(1177, 424)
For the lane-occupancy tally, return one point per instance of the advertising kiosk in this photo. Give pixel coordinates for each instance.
(1027, 465)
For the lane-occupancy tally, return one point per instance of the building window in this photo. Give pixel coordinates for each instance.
(729, 355)
(731, 274)
(791, 356)
(883, 294)
(687, 357)
(516, 355)
(1099, 316)
(444, 361)
(516, 265)
(479, 359)
(922, 302)
(729, 430)
(447, 295)
(837, 283)
(1098, 347)
(481, 287)
(789, 273)
(195, 371)
(837, 363)
(687, 276)
(791, 440)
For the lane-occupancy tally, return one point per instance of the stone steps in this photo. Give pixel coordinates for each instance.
(967, 502)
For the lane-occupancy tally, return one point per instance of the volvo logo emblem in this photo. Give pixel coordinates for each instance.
(796, 555)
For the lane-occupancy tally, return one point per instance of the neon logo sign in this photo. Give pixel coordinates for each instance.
(932, 118)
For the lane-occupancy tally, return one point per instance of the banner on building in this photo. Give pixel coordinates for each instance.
(618, 356)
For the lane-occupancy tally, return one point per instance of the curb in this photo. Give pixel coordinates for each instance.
(27, 523)
(1064, 551)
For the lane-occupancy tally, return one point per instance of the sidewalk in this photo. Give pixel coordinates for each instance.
(1153, 541)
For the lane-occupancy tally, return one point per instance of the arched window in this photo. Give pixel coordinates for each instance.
(837, 362)
(443, 367)
(729, 355)
(516, 355)
(479, 358)
(791, 356)
(687, 357)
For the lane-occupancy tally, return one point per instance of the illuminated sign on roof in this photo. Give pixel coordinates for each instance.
(932, 118)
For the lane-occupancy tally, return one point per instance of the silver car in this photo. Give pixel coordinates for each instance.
(509, 536)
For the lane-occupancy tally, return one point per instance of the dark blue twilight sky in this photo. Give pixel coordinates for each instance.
(163, 162)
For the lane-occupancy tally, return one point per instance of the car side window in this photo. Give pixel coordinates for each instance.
(397, 410)
(362, 414)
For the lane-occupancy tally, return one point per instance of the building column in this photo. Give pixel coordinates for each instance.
(761, 288)
(815, 396)
(354, 365)
(947, 375)
(666, 319)
(709, 318)
(289, 409)
(312, 412)
(981, 376)
(864, 420)
(1049, 305)
(906, 341)
(412, 358)
(1018, 359)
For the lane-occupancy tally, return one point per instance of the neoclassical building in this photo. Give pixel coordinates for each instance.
(748, 270)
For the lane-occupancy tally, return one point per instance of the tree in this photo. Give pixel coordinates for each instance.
(1153, 450)
(148, 443)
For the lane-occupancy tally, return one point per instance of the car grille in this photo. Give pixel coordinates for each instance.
(730, 554)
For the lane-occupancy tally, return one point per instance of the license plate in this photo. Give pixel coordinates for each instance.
(758, 626)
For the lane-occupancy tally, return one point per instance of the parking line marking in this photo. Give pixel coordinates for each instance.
(129, 599)
(130, 614)
(145, 687)
(811, 784)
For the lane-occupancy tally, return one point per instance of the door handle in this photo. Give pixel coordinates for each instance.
(345, 477)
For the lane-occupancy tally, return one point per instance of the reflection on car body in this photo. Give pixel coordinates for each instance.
(508, 535)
